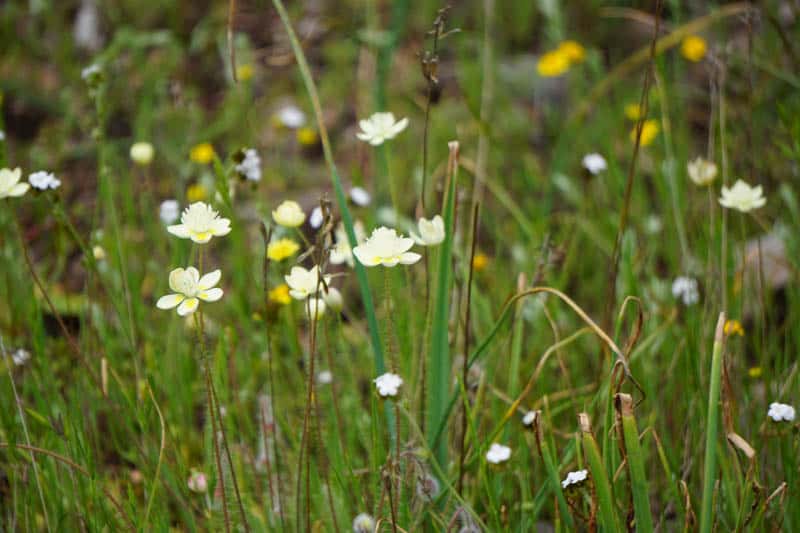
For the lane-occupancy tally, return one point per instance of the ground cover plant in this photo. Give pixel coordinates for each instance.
(399, 266)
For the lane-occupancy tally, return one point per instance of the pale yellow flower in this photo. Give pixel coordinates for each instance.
(694, 48)
(199, 222)
(281, 249)
(289, 214)
(304, 283)
(742, 197)
(244, 72)
(10, 185)
(189, 288)
(380, 127)
(142, 153)
(307, 136)
(431, 232)
(385, 247)
(701, 172)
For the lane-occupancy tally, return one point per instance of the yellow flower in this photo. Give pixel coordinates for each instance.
(244, 72)
(552, 64)
(649, 131)
(573, 50)
(307, 136)
(733, 327)
(281, 249)
(480, 261)
(633, 111)
(754, 372)
(693, 48)
(196, 192)
(202, 153)
(280, 294)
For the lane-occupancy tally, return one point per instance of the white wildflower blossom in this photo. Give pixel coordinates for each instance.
(341, 251)
(199, 222)
(779, 412)
(388, 384)
(250, 167)
(325, 377)
(316, 218)
(20, 356)
(742, 197)
(380, 127)
(10, 185)
(363, 523)
(360, 196)
(315, 308)
(529, 418)
(43, 180)
(169, 211)
(189, 288)
(290, 116)
(574, 478)
(685, 289)
(431, 232)
(594, 163)
(498, 453)
(385, 247)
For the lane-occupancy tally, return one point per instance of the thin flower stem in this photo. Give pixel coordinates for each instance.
(206, 362)
(75, 466)
(21, 412)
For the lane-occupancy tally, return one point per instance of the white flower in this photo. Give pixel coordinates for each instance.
(142, 153)
(316, 219)
(200, 222)
(653, 224)
(701, 172)
(363, 523)
(385, 247)
(388, 384)
(304, 283)
(2, 135)
(341, 251)
(291, 117)
(498, 453)
(197, 482)
(250, 167)
(742, 197)
(529, 418)
(360, 196)
(44, 180)
(20, 356)
(189, 288)
(10, 185)
(289, 214)
(380, 127)
(333, 298)
(574, 478)
(594, 163)
(99, 253)
(685, 289)
(325, 377)
(315, 308)
(780, 411)
(431, 232)
(169, 211)
(90, 72)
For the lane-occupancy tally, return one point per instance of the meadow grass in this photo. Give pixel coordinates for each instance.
(591, 330)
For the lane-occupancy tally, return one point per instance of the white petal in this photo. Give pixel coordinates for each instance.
(19, 189)
(221, 227)
(194, 273)
(209, 280)
(409, 258)
(179, 230)
(169, 301)
(399, 126)
(188, 306)
(211, 295)
(175, 279)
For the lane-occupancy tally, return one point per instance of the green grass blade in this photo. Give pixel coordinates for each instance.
(712, 428)
(605, 498)
(439, 353)
(635, 458)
